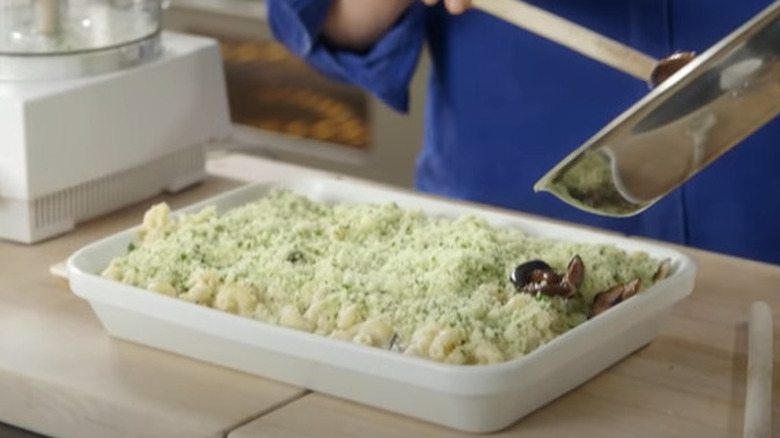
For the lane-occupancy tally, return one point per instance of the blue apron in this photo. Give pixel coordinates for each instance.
(504, 106)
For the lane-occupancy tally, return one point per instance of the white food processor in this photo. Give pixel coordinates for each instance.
(99, 109)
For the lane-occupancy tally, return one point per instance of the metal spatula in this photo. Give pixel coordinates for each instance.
(692, 118)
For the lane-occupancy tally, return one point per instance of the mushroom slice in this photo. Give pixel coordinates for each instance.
(536, 276)
(394, 344)
(555, 290)
(663, 270)
(575, 273)
(529, 273)
(613, 296)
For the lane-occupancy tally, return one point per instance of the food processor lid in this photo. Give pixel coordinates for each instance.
(64, 39)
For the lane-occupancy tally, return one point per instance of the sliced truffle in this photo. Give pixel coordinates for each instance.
(575, 273)
(531, 272)
(613, 296)
(663, 270)
(536, 276)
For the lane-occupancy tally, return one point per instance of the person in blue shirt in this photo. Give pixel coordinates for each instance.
(505, 105)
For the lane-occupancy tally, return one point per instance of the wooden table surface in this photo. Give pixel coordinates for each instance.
(62, 376)
(689, 382)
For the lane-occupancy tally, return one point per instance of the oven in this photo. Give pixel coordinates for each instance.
(284, 110)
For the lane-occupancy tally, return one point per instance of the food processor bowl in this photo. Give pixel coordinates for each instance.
(60, 39)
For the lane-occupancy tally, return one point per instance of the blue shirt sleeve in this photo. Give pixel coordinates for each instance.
(385, 69)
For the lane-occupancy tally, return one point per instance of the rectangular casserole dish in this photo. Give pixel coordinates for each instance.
(480, 398)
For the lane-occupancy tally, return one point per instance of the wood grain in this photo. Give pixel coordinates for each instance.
(62, 375)
(758, 395)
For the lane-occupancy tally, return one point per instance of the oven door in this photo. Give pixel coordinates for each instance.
(283, 109)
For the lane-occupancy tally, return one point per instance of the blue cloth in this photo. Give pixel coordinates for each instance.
(504, 106)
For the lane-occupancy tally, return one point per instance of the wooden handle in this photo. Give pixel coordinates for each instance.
(571, 35)
(758, 393)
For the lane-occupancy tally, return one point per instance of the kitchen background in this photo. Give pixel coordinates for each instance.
(283, 109)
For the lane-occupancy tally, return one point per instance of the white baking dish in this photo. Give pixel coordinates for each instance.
(468, 398)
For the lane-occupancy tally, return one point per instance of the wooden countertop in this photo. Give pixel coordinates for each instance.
(61, 375)
(689, 382)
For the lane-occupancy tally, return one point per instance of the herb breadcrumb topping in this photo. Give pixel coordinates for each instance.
(374, 274)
